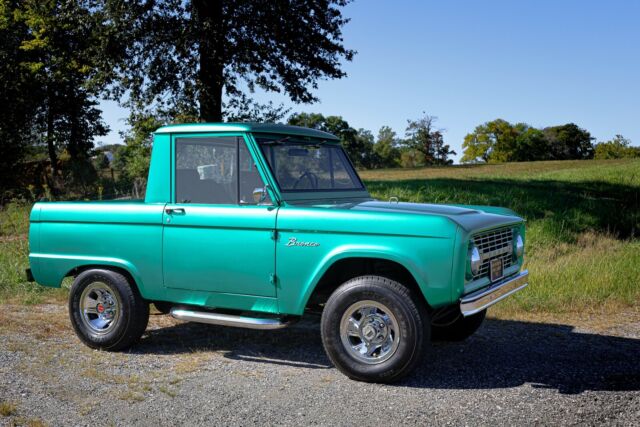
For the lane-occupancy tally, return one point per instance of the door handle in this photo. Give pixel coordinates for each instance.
(176, 211)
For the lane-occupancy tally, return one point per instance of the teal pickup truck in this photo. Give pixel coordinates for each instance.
(252, 225)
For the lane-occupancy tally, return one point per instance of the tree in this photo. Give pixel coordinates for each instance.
(490, 141)
(366, 155)
(185, 55)
(424, 138)
(357, 144)
(569, 142)
(63, 53)
(19, 97)
(617, 148)
(500, 141)
(386, 148)
(531, 145)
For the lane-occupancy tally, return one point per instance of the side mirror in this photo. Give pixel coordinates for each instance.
(261, 194)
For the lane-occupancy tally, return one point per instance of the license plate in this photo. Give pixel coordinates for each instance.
(496, 270)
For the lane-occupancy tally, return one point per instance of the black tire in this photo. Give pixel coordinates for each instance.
(125, 328)
(412, 324)
(458, 329)
(163, 306)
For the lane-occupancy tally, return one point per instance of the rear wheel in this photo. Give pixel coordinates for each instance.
(106, 310)
(373, 329)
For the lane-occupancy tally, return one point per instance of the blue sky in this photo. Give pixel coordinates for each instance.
(540, 62)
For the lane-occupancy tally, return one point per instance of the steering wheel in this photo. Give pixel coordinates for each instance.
(312, 177)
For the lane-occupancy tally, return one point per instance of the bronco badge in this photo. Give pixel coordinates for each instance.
(294, 242)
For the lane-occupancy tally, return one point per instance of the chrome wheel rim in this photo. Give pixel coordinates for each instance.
(100, 308)
(369, 332)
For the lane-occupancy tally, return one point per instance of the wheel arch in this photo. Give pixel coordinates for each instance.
(120, 266)
(75, 272)
(348, 265)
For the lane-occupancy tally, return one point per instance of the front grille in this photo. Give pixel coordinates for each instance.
(494, 244)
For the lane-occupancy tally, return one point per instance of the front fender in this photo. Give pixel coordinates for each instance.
(354, 251)
(428, 260)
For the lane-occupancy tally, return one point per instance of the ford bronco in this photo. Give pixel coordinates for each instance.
(252, 225)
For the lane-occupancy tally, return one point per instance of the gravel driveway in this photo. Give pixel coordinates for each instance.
(510, 372)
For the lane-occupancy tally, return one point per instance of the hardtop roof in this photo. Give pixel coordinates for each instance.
(246, 127)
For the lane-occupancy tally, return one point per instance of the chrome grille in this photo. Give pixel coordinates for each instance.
(494, 244)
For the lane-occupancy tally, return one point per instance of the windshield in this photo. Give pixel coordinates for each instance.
(307, 164)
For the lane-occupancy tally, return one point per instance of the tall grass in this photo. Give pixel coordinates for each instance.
(14, 251)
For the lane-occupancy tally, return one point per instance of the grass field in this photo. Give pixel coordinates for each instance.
(583, 225)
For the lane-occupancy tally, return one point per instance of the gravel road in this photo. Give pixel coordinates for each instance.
(510, 372)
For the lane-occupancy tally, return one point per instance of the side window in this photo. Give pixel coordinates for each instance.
(207, 170)
(252, 191)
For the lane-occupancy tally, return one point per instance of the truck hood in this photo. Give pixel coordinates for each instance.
(470, 218)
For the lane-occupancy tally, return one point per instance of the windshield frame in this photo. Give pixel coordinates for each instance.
(298, 140)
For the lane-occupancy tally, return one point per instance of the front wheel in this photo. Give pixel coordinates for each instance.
(373, 329)
(106, 310)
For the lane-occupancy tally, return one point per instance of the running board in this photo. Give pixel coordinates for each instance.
(228, 319)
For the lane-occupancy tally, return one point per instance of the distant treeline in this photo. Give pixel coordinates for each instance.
(500, 141)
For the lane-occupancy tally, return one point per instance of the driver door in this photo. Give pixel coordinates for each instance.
(217, 230)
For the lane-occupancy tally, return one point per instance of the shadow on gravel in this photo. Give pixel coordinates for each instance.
(297, 346)
(506, 353)
(501, 354)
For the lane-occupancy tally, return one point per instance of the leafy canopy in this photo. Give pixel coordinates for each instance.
(184, 55)
(618, 148)
(423, 137)
(500, 141)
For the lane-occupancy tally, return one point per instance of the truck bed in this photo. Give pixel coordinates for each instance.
(64, 235)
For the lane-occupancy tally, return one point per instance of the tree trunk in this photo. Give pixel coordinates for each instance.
(208, 17)
(51, 148)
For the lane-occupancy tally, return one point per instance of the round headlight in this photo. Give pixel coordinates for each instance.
(519, 246)
(474, 260)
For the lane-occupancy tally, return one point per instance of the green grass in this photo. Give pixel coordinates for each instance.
(583, 228)
(14, 250)
(583, 224)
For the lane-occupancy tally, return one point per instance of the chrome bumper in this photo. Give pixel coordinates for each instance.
(479, 300)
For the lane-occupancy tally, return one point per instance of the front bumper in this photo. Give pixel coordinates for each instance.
(483, 298)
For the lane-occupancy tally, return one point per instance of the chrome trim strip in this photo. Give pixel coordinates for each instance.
(227, 319)
(483, 298)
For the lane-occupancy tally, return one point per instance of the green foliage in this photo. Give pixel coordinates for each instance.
(422, 137)
(14, 249)
(354, 145)
(499, 141)
(132, 160)
(411, 158)
(361, 146)
(52, 48)
(386, 148)
(618, 148)
(185, 55)
(18, 98)
(569, 142)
